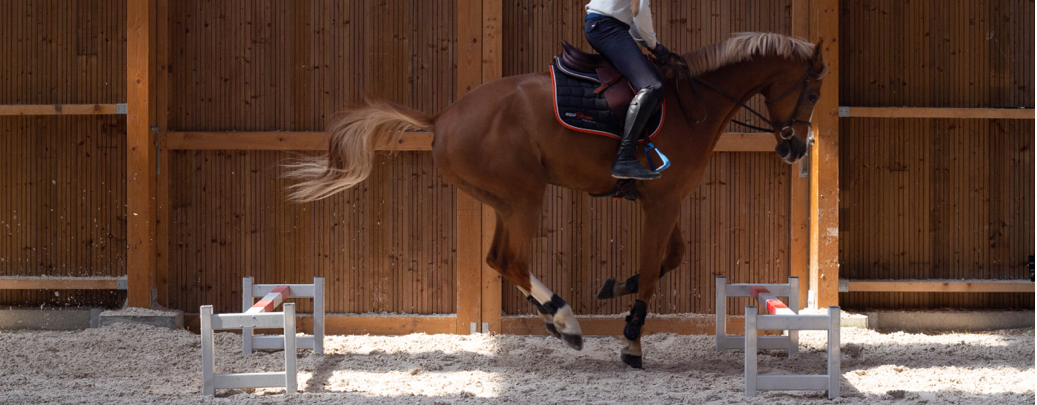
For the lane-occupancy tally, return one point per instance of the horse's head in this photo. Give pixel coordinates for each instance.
(790, 101)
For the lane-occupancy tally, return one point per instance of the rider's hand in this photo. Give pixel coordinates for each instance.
(659, 51)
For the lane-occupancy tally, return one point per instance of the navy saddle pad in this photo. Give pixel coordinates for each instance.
(579, 109)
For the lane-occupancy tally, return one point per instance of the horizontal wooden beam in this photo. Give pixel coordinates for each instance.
(63, 109)
(363, 325)
(915, 112)
(513, 325)
(746, 142)
(70, 283)
(413, 141)
(389, 325)
(974, 286)
(602, 326)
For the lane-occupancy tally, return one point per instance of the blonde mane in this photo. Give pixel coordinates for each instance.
(743, 46)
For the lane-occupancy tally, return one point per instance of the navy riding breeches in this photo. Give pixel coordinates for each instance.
(611, 38)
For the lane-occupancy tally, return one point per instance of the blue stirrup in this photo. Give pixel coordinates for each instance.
(651, 164)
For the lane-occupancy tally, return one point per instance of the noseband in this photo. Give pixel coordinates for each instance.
(783, 129)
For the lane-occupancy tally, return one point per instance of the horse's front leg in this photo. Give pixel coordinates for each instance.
(671, 260)
(659, 222)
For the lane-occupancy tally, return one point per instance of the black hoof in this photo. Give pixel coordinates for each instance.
(607, 290)
(631, 360)
(551, 328)
(574, 341)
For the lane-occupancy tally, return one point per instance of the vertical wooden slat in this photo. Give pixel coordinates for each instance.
(800, 183)
(140, 50)
(162, 214)
(824, 277)
(469, 211)
(492, 32)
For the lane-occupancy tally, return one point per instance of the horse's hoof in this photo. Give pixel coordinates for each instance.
(554, 331)
(574, 341)
(631, 360)
(607, 290)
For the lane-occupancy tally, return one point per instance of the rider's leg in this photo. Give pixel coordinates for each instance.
(612, 39)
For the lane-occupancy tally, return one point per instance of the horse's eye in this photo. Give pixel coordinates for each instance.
(813, 98)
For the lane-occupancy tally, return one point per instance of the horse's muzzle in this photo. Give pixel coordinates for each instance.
(791, 150)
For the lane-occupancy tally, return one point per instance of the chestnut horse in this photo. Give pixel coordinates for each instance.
(502, 145)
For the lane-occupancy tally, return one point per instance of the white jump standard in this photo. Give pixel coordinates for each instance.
(250, 291)
(261, 315)
(789, 342)
(778, 317)
(210, 323)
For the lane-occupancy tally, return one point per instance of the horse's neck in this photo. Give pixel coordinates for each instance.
(742, 81)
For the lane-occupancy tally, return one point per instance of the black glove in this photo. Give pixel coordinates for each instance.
(660, 51)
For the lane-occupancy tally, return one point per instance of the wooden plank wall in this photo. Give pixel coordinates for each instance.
(736, 224)
(937, 198)
(62, 178)
(386, 245)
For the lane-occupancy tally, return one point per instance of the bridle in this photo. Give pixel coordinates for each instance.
(783, 129)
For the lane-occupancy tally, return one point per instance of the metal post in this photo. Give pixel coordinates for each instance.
(833, 352)
(208, 360)
(318, 315)
(794, 305)
(750, 351)
(246, 303)
(721, 305)
(291, 382)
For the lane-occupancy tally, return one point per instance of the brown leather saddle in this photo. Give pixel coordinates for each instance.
(618, 91)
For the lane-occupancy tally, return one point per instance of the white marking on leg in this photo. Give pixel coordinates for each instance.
(564, 319)
(539, 290)
(566, 322)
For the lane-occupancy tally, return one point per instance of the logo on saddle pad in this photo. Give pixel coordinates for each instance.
(580, 115)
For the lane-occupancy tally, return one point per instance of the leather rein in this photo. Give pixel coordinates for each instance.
(783, 129)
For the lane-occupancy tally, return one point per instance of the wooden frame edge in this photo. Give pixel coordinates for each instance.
(61, 109)
(926, 112)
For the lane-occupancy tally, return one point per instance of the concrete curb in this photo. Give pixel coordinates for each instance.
(49, 318)
(947, 321)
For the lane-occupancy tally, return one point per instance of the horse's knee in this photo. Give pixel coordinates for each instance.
(674, 253)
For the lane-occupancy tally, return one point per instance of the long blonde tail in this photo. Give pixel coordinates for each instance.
(353, 137)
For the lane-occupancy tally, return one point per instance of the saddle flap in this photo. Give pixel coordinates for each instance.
(618, 91)
(580, 61)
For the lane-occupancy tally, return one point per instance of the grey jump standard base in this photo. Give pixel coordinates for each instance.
(751, 342)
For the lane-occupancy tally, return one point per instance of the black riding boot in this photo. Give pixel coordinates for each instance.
(626, 165)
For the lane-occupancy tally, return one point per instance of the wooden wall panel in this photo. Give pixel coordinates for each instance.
(62, 178)
(388, 244)
(937, 198)
(62, 204)
(931, 53)
(63, 52)
(737, 223)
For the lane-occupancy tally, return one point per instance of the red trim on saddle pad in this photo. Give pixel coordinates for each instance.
(554, 103)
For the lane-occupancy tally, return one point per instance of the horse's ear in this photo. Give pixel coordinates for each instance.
(818, 60)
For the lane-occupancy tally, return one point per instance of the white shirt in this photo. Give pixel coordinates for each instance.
(640, 26)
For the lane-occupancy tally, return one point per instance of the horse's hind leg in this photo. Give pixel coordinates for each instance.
(672, 260)
(509, 255)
